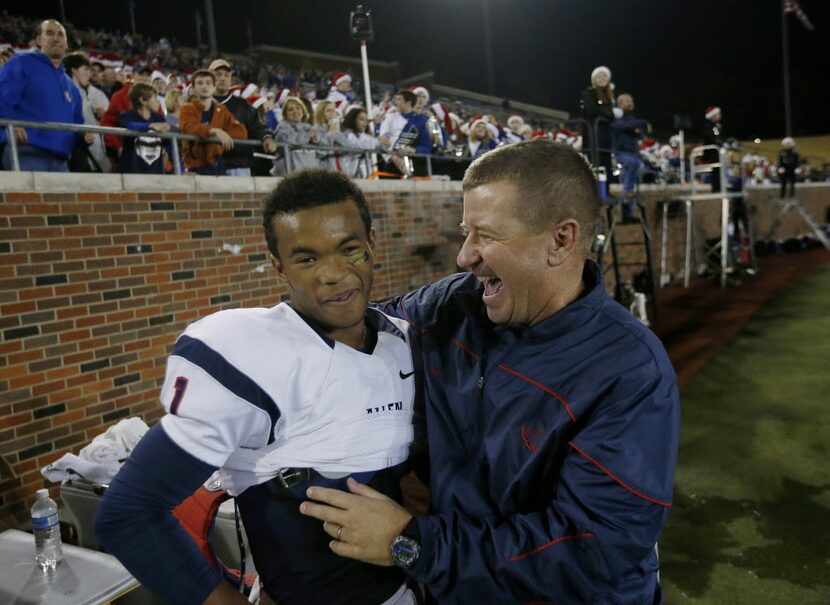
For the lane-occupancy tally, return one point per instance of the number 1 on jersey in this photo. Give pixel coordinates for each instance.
(179, 386)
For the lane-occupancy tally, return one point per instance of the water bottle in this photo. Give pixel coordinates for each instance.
(47, 530)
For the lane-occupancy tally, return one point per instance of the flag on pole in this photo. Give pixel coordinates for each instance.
(792, 6)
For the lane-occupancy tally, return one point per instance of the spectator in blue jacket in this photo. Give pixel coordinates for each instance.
(143, 155)
(552, 414)
(626, 132)
(34, 86)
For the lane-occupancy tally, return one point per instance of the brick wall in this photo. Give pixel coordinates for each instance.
(99, 274)
(96, 286)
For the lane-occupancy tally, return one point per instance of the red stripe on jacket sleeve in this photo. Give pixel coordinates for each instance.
(549, 544)
(618, 480)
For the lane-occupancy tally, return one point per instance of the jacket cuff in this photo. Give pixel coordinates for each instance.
(422, 570)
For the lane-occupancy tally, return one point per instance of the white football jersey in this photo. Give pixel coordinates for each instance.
(256, 390)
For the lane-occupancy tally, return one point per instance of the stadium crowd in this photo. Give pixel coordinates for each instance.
(303, 118)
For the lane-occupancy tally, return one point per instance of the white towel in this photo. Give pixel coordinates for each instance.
(128, 432)
(70, 466)
(101, 460)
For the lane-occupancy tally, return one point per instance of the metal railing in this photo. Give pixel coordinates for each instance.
(175, 157)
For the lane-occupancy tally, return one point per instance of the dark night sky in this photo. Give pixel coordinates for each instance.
(675, 56)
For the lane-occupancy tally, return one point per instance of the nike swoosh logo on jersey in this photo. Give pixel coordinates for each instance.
(405, 376)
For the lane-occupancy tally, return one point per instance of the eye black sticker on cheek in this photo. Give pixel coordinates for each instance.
(358, 258)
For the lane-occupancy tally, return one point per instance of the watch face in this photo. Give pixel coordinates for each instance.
(404, 551)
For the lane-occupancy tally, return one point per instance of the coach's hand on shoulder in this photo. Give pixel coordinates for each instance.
(363, 523)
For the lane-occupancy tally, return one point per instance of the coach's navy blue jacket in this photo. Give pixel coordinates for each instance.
(552, 450)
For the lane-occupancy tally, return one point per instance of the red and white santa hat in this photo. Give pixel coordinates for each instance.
(236, 90)
(256, 101)
(340, 77)
(712, 111)
(249, 90)
(420, 90)
(517, 120)
(157, 75)
(601, 69)
(284, 94)
(492, 130)
(351, 106)
(443, 114)
(648, 144)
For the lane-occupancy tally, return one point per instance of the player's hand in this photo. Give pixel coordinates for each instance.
(363, 523)
(21, 135)
(224, 138)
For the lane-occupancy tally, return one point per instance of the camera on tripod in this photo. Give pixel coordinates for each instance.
(360, 24)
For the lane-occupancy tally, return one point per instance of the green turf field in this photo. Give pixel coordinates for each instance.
(751, 516)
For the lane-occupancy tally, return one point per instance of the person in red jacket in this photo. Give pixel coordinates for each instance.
(205, 118)
(119, 103)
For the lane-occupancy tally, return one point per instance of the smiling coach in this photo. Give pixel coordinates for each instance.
(552, 414)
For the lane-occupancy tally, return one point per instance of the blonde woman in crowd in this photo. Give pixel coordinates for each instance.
(294, 129)
(327, 124)
(479, 141)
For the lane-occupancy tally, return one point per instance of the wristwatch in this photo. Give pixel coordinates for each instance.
(405, 549)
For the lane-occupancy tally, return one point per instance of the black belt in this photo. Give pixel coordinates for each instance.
(289, 477)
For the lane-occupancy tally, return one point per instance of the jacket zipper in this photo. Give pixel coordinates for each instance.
(475, 434)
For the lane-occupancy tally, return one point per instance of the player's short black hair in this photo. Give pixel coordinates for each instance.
(309, 189)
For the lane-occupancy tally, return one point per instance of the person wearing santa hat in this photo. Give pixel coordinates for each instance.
(788, 162)
(279, 101)
(596, 105)
(479, 141)
(713, 135)
(440, 117)
(159, 81)
(341, 92)
(512, 134)
(240, 161)
(422, 95)
(326, 120)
